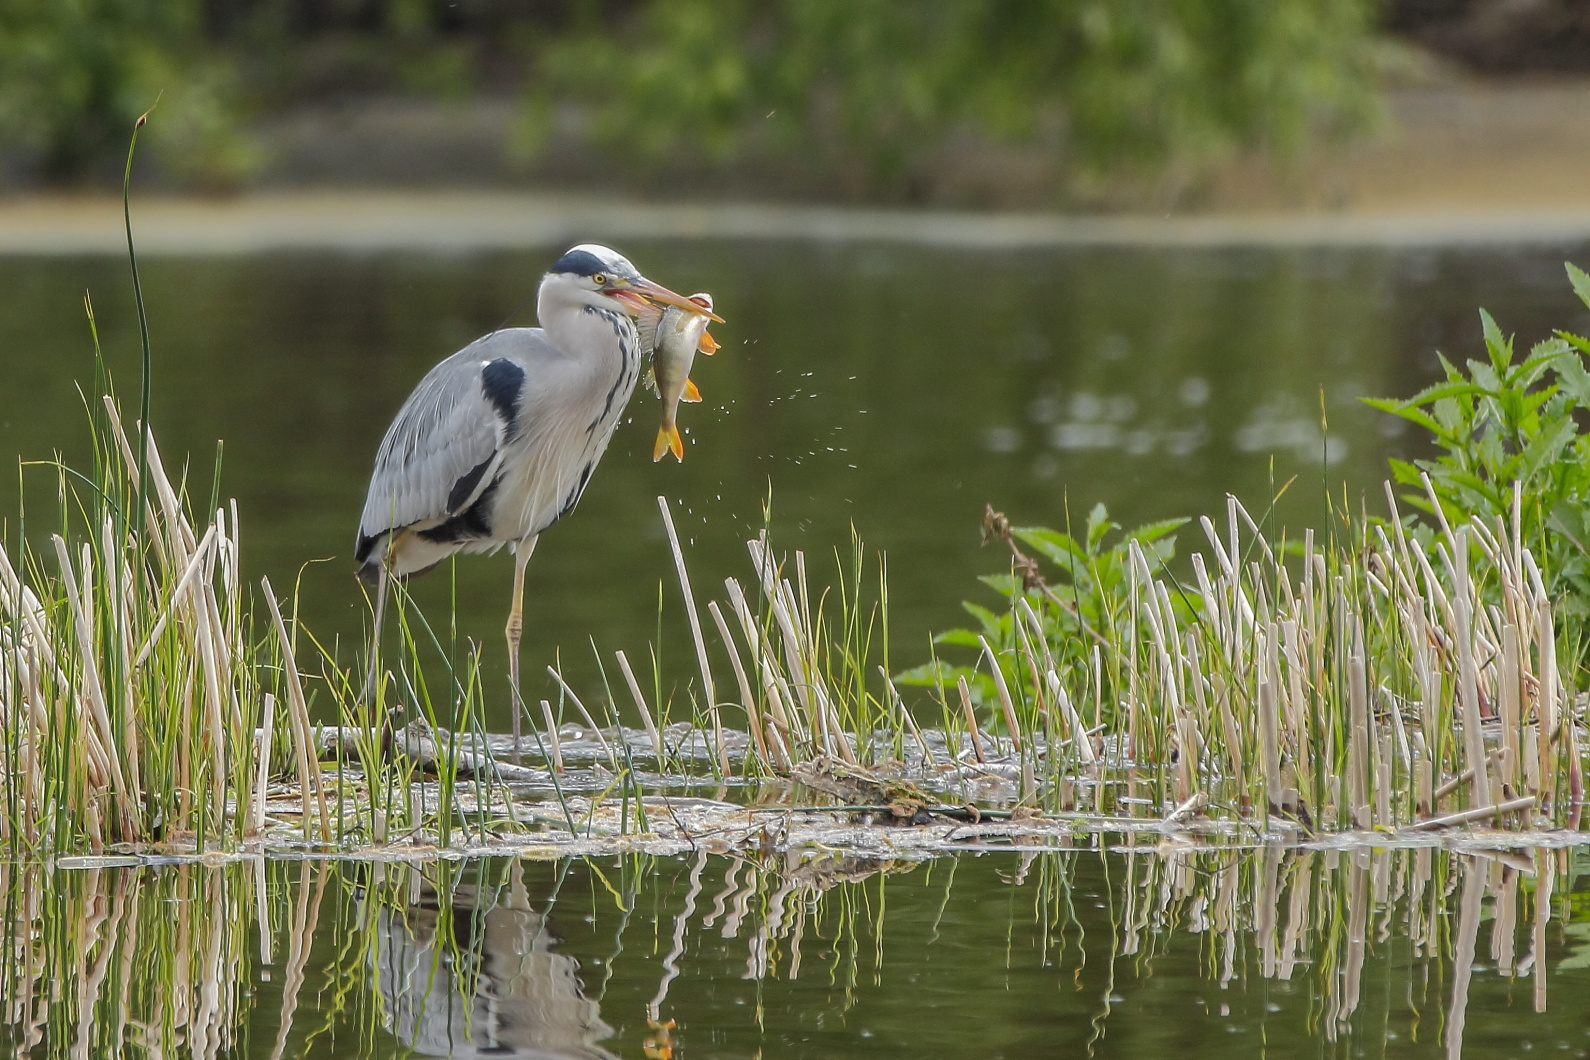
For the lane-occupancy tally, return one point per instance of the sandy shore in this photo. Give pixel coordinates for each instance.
(461, 222)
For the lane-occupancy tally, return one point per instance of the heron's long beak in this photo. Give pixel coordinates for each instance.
(658, 293)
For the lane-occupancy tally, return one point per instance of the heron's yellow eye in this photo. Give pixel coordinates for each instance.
(600, 279)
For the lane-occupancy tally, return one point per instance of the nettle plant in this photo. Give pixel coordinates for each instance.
(1085, 605)
(1512, 442)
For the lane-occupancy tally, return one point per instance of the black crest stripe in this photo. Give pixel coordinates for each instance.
(580, 263)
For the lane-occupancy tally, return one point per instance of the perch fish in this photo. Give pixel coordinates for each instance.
(673, 336)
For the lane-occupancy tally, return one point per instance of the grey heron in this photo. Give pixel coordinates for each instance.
(498, 441)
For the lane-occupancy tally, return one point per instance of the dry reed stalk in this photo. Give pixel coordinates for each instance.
(554, 743)
(763, 656)
(1002, 689)
(974, 733)
(174, 534)
(797, 686)
(781, 603)
(753, 715)
(1269, 719)
(1186, 757)
(1383, 775)
(101, 735)
(1079, 734)
(601, 740)
(1358, 744)
(213, 732)
(640, 704)
(1468, 678)
(267, 730)
(690, 605)
(1296, 711)
(1511, 689)
(304, 745)
(1129, 746)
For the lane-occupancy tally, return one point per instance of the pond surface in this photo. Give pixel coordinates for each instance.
(889, 388)
(1109, 951)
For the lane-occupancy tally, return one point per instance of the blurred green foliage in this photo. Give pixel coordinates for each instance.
(857, 98)
(871, 91)
(75, 75)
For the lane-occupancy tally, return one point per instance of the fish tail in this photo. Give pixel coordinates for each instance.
(691, 393)
(668, 440)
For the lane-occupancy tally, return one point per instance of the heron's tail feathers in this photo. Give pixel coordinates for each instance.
(668, 441)
(691, 393)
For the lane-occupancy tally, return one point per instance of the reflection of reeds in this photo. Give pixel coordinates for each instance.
(444, 958)
(103, 959)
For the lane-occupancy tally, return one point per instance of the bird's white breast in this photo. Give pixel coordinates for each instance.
(567, 416)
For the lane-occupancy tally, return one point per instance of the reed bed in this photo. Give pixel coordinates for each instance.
(1395, 679)
(1392, 678)
(144, 702)
(134, 684)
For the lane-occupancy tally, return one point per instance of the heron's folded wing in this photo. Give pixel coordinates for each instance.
(439, 453)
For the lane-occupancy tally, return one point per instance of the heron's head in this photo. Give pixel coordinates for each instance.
(594, 275)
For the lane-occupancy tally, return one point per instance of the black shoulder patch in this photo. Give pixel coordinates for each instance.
(502, 381)
(466, 484)
(580, 263)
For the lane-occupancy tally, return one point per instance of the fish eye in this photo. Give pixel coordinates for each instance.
(599, 278)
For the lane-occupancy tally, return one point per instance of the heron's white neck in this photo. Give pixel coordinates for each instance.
(580, 324)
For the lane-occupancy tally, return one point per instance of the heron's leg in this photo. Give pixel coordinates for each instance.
(521, 556)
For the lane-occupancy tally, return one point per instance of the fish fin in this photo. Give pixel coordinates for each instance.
(691, 393)
(650, 380)
(668, 440)
(708, 345)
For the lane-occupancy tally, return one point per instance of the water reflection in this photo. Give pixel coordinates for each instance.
(471, 972)
(1130, 951)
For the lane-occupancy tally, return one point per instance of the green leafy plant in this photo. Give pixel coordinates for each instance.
(1512, 441)
(1088, 606)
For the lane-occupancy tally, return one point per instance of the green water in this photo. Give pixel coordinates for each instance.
(1127, 952)
(892, 389)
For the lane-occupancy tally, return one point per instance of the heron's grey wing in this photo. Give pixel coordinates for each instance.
(443, 448)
